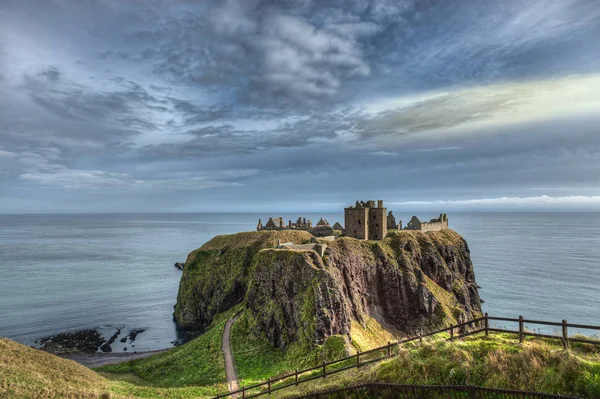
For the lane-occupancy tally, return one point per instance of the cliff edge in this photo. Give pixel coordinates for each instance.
(409, 282)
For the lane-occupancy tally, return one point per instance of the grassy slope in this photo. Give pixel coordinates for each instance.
(498, 361)
(198, 362)
(30, 373)
(27, 373)
(256, 360)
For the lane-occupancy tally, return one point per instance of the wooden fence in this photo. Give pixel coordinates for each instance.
(401, 391)
(475, 326)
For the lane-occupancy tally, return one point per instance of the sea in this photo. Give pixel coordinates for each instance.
(61, 273)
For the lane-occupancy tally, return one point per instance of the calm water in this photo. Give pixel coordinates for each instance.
(67, 272)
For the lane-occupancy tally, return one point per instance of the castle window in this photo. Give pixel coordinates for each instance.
(358, 221)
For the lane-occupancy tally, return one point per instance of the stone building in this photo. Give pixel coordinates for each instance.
(391, 222)
(338, 226)
(323, 222)
(277, 224)
(433, 225)
(366, 221)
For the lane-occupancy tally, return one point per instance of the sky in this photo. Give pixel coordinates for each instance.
(245, 105)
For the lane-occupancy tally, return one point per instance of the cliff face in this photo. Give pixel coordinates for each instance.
(216, 275)
(409, 282)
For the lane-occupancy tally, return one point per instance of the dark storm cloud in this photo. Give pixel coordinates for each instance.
(321, 99)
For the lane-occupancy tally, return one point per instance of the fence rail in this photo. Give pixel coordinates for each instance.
(362, 358)
(389, 391)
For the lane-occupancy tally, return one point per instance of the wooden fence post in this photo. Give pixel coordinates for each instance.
(269, 386)
(521, 329)
(243, 392)
(565, 333)
(487, 324)
(389, 349)
(420, 340)
(357, 358)
(296, 376)
(324, 370)
(451, 333)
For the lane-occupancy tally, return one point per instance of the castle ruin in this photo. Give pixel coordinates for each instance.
(433, 225)
(277, 224)
(391, 222)
(366, 221)
(323, 222)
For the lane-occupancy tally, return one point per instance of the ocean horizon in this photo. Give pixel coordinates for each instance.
(67, 272)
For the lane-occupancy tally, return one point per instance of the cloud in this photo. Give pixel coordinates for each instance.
(63, 177)
(538, 202)
(484, 106)
(323, 100)
(453, 148)
(7, 154)
(70, 178)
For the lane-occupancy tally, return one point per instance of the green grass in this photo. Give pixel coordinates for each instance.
(30, 373)
(120, 389)
(216, 275)
(498, 361)
(255, 358)
(198, 362)
(195, 370)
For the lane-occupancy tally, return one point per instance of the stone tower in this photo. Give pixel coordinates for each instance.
(366, 221)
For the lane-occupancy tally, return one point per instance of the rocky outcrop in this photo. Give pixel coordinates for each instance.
(179, 265)
(87, 341)
(409, 282)
(293, 297)
(216, 276)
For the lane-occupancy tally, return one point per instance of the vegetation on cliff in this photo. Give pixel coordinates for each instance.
(215, 276)
(407, 283)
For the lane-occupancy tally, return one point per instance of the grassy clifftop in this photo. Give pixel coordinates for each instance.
(215, 276)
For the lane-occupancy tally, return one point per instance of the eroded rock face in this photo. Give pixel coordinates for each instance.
(411, 282)
(293, 297)
(216, 276)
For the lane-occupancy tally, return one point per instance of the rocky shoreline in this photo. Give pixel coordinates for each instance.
(87, 341)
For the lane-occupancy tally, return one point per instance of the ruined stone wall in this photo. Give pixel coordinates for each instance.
(440, 223)
(356, 222)
(434, 226)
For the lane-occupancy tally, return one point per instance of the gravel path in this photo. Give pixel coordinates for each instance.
(232, 379)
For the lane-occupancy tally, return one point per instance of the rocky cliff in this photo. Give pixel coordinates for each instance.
(409, 282)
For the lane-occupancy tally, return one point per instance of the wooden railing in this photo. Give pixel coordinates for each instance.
(384, 352)
(379, 390)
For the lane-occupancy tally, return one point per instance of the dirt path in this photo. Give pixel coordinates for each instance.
(232, 379)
